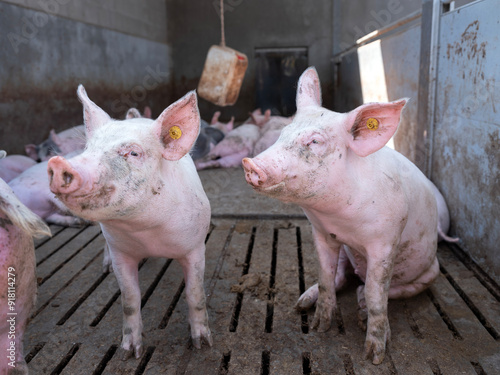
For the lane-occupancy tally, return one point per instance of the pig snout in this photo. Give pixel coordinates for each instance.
(254, 175)
(64, 179)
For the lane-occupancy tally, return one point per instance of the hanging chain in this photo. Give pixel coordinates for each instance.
(223, 37)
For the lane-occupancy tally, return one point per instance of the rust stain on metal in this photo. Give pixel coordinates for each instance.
(468, 45)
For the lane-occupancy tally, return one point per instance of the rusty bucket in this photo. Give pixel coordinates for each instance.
(222, 75)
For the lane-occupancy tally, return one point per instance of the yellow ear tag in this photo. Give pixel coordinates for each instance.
(372, 123)
(175, 132)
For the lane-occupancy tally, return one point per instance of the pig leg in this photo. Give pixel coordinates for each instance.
(362, 311)
(66, 221)
(328, 256)
(417, 286)
(193, 267)
(310, 296)
(228, 161)
(127, 274)
(106, 262)
(376, 294)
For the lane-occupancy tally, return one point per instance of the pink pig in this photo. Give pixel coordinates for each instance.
(17, 277)
(12, 166)
(63, 143)
(32, 189)
(137, 180)
(224, 128)
(270, 133)
(368, 205)
(236, 145)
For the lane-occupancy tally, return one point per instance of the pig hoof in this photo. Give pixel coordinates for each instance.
(375, 350)
(376, 339)
(125, 354)
(204, 337)
(308, 299)
(107, 267)
(128, 353)
(322, 321)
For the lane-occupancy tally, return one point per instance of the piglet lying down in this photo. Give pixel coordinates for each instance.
(368, 205)
(137, 180)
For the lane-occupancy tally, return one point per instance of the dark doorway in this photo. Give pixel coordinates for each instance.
(277, 73)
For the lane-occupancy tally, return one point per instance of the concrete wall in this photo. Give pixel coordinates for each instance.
(118, 50)
(195, 26)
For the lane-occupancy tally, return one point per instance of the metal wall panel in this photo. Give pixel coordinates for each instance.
(466, 145)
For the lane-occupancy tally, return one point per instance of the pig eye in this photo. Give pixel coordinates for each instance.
(127, 153)
(313, 142)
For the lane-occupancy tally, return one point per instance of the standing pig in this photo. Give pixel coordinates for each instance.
(138, 181)
(368, 205)
(17, 277)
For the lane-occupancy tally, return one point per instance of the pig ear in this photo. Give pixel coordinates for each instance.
(372, 125)
(55, 138)
(147, 112)
(267, 115)
(132, 113)
(31, 151)
(309, 89)
(178, 126)
(215, 118)
(93, 116)
(230, 124)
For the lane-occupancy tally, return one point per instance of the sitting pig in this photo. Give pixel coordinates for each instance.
(69, 140)
(13, 165)
(368, 205)
(18, 279)
(137, 180)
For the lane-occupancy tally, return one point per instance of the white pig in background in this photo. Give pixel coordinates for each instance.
(63, 143)
(270, 133)
(32, 189)
(258, 118)
(137, 180)
(236, 145)
(13, 165)
(17, 276)
(223, 127)
(368, 205)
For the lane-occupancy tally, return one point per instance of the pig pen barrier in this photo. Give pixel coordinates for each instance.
(452, 328)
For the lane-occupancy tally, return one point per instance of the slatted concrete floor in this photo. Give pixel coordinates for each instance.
(76, 327)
